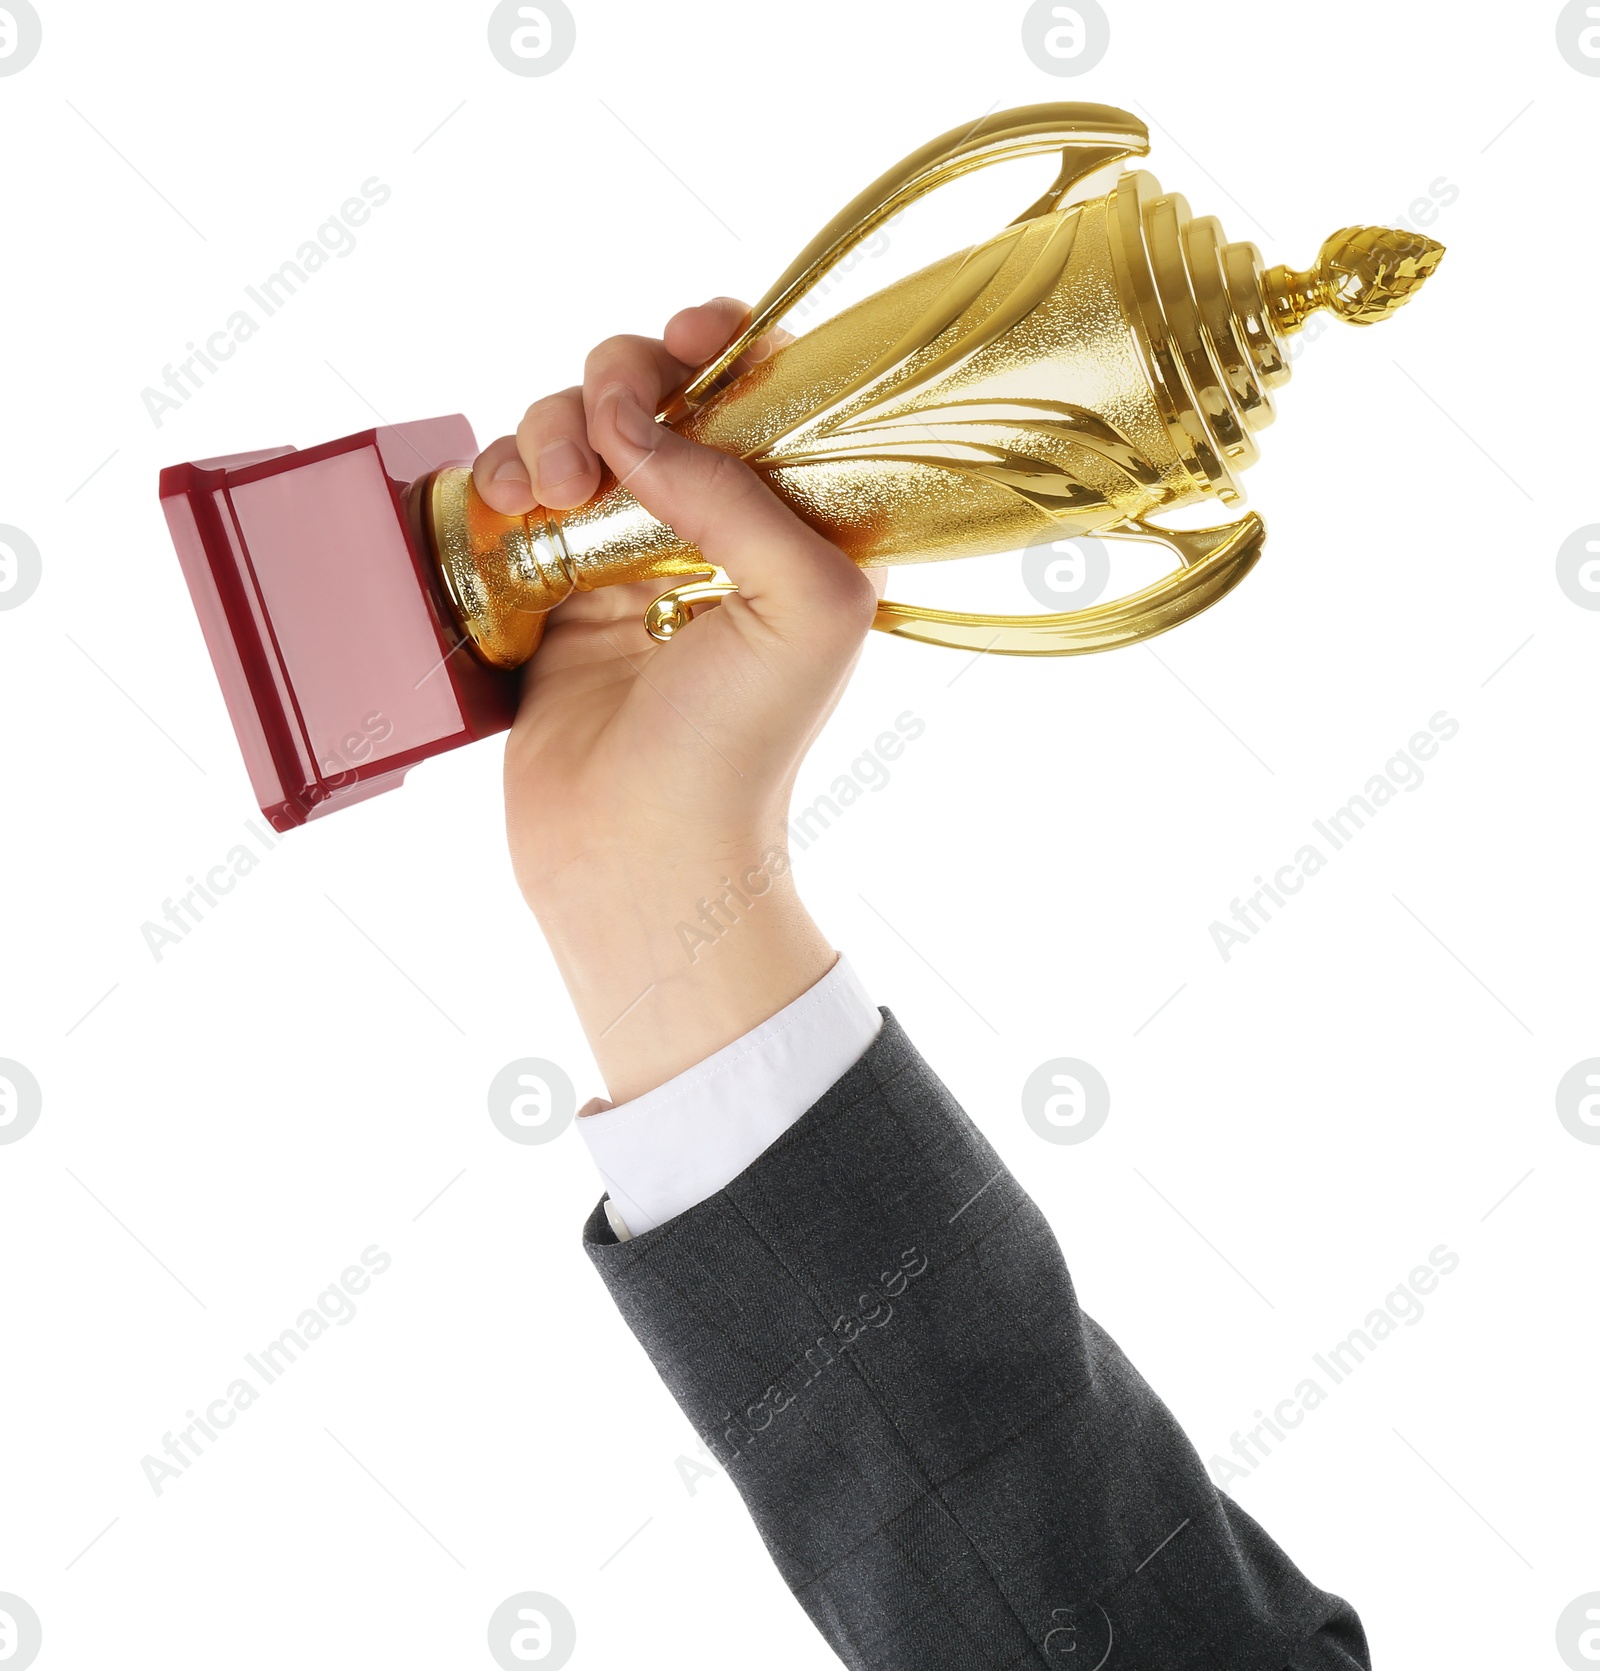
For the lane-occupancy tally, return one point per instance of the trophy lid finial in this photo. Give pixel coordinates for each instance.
(1363, 274)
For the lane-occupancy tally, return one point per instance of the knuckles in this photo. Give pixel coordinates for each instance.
(614, 357)
(554, 416)
(852, 599)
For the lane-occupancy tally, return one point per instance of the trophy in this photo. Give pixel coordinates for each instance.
(1099, 361)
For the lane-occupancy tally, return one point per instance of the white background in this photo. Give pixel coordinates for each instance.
(226, 1129)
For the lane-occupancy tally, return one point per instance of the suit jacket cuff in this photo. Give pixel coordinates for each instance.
(671, 1148)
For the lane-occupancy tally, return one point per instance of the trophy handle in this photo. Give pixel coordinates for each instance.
(1214, 561)
(674, 609)
(1089, 136)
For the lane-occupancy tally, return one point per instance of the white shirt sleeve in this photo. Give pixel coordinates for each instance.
(679, 1144)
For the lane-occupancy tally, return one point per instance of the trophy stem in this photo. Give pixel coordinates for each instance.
(1293, 297)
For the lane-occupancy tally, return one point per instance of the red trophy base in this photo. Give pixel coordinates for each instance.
(315, 586)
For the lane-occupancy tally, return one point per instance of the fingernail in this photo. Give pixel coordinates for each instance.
(634, 424)
(559, 463)
(513, 470)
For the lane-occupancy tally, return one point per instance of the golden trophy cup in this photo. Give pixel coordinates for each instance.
(1092, 365)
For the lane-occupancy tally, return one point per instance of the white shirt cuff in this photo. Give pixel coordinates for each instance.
(679, 1144)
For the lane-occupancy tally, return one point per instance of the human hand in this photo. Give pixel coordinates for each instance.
(648, 785)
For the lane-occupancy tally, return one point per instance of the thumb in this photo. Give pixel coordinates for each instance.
(782, 566)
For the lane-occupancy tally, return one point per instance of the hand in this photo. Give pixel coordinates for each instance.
(648, 785)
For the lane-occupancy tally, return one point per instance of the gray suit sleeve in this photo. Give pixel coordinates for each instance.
(955, 1469)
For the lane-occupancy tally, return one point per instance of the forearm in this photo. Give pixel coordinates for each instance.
(647, 786)
(669, 959)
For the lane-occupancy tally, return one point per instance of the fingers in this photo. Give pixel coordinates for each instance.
(552, 461)
(548, 462)
(501, 478)
(638, 366)
(553, 439)
(564, 441)
(697, 333)
(649, 368)
(783, 568)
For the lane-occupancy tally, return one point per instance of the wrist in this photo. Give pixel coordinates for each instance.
(668, 960)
